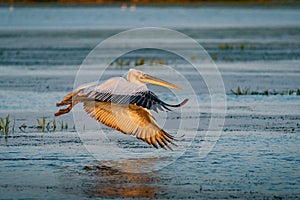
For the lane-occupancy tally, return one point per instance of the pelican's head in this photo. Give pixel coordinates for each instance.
(139, 77)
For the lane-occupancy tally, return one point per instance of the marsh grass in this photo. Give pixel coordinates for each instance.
(214, 56)
(13, 127)
(240, 46)
(4, 125)
(41, 124)
(240, 91)
(246, 91)
(225, 46)
(64, 126)
(54, 124)
(138, 62)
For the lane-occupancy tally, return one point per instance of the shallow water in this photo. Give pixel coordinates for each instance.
(257, 154)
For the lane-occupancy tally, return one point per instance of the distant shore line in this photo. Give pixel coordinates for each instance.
(149, 3)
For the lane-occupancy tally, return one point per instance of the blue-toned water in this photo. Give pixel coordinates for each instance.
(102, 17)
(256, 156)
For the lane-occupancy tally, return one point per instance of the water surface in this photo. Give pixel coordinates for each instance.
(257, 155)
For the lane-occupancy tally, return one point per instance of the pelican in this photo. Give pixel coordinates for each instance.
(124, 106)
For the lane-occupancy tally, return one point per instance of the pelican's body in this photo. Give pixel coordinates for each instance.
(124, 105)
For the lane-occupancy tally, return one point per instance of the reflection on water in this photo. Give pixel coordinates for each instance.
(107, 182)
(136, 165)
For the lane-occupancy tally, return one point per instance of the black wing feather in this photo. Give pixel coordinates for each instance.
(146, 99)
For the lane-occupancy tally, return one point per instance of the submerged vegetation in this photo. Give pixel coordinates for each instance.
(4, 125)
(42, 126)
(246, 91)
(237, 46)
(138, 62)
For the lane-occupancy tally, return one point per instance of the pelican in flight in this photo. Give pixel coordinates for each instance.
(124, 106)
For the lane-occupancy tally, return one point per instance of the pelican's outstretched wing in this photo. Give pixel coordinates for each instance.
(120, 91)
(129, 119)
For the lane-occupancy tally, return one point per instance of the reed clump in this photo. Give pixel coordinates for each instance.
(64, 126)
(138, 62)
(246, 91)
(41, 124)
(4, 125)
(239, 91)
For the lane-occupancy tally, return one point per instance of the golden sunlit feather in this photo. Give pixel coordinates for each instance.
(129, 119)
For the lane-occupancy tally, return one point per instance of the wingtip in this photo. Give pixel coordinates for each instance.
(184, 102)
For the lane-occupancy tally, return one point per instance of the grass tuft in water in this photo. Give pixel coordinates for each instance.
(225, 46)
(4, 125)
(140, 61)
(41, 124)
(242, 46)
(13, 127)
(161, 62)
(120, 63)
(54, 124)
(66, 126)
(239, 91)
(246, 91)
(214, 56)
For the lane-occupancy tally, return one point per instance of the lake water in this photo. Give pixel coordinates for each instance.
(256, 156)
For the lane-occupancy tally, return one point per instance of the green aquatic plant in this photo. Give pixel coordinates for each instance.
(4, 125)
(62, 125)
(127, 63)
(242, 46)
(151, 62)
(13, 127)
(266, 92)
(225, 46)
(7, 121)
(54, 124)
(247, 91)
(140, 61)
(239, 91)
(120, 63)
(291, 92)
(214, 56)
(41, 124)
(66, 126)
(161, 62)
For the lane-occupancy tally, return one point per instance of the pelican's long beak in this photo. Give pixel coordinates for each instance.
(156, 81)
